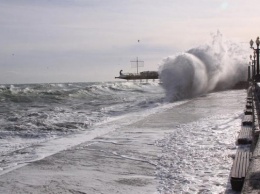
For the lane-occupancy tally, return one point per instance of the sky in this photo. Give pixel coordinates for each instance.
(54, 41)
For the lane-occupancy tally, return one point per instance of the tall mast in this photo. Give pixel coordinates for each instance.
(138, 63)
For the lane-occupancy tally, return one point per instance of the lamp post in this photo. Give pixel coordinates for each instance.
(253, 65)
(249, 72)
(252, 71)
(257, 77)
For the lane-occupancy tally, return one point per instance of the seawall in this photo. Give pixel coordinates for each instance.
(251, 181)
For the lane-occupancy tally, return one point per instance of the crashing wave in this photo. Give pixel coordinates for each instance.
(216, 66)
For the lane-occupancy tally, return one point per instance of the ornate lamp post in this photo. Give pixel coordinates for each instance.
(253, 65)
(252, 71)
(257, 77)
(249, 72)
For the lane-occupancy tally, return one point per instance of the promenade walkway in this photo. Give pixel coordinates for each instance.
(252, 179)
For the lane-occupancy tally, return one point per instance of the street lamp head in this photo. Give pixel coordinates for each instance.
(251, 43)
(257, 41)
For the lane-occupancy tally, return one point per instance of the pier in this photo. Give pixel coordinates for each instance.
(245, 171)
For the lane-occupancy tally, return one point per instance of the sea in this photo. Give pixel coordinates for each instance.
(39, 120)
(188, 120)
(34, 113)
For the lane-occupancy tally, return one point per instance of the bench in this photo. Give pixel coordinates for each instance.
(239, 169)
(247, 120)
(245, 135)
(248, 111)
(249, 100)
(249, 105)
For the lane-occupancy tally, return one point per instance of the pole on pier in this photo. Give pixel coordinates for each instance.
(257, 54)
(251, 64)
(256, 62)
(252, 68)
(249, 73)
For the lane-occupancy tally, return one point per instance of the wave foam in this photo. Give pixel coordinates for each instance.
(217, 66)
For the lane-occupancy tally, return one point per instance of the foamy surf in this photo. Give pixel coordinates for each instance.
(142, 143)
(42, 119)
(215, 66)
(174, 148)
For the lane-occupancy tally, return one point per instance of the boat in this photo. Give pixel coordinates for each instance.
(138, 76)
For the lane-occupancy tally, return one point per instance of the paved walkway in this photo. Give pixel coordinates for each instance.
(252, 180)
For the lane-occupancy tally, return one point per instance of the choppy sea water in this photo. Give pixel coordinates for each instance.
(195, 137)
(36, 113)
(38, 120)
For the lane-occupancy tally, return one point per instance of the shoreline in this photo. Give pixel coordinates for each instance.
(141, 157)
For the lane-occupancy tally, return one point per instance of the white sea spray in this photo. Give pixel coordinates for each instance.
(214, 66)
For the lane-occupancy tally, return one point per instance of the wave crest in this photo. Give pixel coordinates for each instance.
(217, 66)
